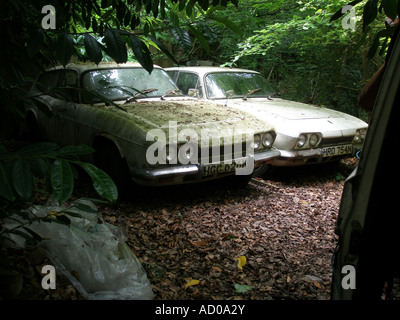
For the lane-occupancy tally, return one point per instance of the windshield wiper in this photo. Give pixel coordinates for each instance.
(251, 92)
(172, 92)
(140, 93)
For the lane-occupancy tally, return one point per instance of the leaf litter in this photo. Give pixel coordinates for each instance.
(273, 239)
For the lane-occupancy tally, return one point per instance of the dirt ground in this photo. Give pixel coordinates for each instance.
(272, 239)
(283, 226)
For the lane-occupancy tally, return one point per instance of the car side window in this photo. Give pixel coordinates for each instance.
(187, 81)
(60, 84)
(173, 74)
(47, 81)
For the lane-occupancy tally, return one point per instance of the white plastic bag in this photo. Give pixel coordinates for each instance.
(96, 250)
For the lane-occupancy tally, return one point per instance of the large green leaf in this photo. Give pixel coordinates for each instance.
(203, 4)
(202, 40)
(189, 7)
(163, 48)
(93, 49)
(228, 23)
(384, 33)
(339, 13)
(64, 48)
(370, 12)
(77, 150)
(37, 149)
(390, 7)
(62, 180)
(6, 187)
(22, 178)
(183, 38)
(142, 53)
(102, 182)
(40, 166)
(115, 45)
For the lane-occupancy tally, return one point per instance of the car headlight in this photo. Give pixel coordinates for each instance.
(360, 135)
(170, 153)
(256, 142)
(187, 153)
(363, 134)
(313, 140)
(301, 140)
(268, 140)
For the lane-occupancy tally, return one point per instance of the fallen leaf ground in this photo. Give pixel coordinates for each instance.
(272, 239)
(283, 225)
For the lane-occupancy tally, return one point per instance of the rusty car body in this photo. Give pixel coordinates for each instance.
(142, 128)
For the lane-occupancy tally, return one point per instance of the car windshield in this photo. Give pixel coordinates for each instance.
(124, 83)
(218, 83)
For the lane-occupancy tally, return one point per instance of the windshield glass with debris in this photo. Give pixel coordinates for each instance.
(217, 84)
(124, 83)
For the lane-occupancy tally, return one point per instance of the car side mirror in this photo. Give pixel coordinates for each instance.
(193, 92)
(229, 94)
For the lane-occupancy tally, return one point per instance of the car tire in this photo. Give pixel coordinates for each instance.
(261, 171)
(108, 158)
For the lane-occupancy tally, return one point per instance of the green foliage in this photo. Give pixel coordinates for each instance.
(94, 30)
(111, 21)
(304, 50)
(373, 10)
(22, 220)
(55, 166)
(25, 172)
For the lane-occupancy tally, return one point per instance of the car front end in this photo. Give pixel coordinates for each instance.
(306, 134)
(196, 141)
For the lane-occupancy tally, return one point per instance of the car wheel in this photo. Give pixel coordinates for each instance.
(108, 158)
(261, 170)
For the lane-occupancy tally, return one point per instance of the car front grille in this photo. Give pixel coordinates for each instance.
(336, 141)
(231, 153)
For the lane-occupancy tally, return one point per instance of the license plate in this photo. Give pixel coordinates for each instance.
(337, 150)
(217, 168)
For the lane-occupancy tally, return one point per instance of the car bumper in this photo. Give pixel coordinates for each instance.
(301, 157)
(181, 174)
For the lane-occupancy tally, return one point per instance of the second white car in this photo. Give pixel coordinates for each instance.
(305, 133)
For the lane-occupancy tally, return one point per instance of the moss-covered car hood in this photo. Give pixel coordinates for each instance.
(192, 114)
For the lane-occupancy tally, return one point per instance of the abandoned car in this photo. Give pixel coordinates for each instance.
(142, 128)
(305, 133)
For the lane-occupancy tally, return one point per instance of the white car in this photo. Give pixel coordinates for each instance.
(305, 133)
(142, 128)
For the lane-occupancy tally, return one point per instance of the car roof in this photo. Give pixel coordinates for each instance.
(207, 69)
(82, 67)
